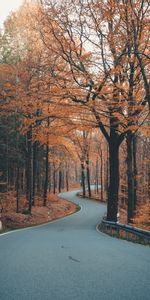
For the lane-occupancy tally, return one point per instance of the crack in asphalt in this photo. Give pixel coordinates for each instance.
(73, 259)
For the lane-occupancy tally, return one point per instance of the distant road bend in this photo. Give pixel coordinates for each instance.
(69, 260)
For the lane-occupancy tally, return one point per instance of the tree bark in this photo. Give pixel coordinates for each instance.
(49, 181)
(107, 173)
(83, 178)
(17, 190)
(35, 151)
(130, 177)
(60, 180)
(96, 178)
(135, 169)
(76, 173)
(67, 181)
(101, 174)
(88, 175)
(46, 173)
(112, 208)
(30, 169)
(54, 178)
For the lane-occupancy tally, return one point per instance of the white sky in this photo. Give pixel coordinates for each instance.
(6, 6)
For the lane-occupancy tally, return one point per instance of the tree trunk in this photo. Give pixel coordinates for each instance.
(76, 173)
(63, 179)
(27, 177)
(60, 180)
(30, 169)
(54, 178)
(101, 174)
(83, 179)
(112, 208)
(22, 181)
(7, 165)
(96, 179)
(107, 174)
(34, 168)
(148, 179)
(17, 190)
(67, 181)
(49, 184)
(131, 167)
(135, 170)
(88, 175)
(46, 174)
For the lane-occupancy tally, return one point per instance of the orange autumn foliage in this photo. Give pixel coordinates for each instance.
(142, 217)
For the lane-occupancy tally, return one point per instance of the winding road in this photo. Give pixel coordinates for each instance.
(69, 260)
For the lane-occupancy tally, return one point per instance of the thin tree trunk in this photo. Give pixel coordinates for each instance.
(148, 180)
(60, 180)
(63, 178)
(96, 179)
(27, 177)
(131, 156)
(24, 180)
(54, 178)
(7, 165)
(135, 170)
(83, 178)
(67, 181)
(46, 173)
(34, 169)
(30, 169)
(76, 173)
(49, 185)
(17, 190)
(130, 176)
(101, 174)
(88, 175)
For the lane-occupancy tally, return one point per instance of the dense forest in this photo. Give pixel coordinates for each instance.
(74, 104)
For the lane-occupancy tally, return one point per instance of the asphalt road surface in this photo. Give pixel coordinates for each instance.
(69, 260)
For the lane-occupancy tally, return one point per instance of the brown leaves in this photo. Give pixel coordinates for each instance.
(142, 218)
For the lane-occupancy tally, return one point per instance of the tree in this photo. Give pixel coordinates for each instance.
(99, 74)
(29, 95)
(77, 66)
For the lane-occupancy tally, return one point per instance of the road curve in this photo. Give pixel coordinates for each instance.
(69, 260)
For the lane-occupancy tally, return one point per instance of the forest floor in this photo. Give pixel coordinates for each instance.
(56, 208)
